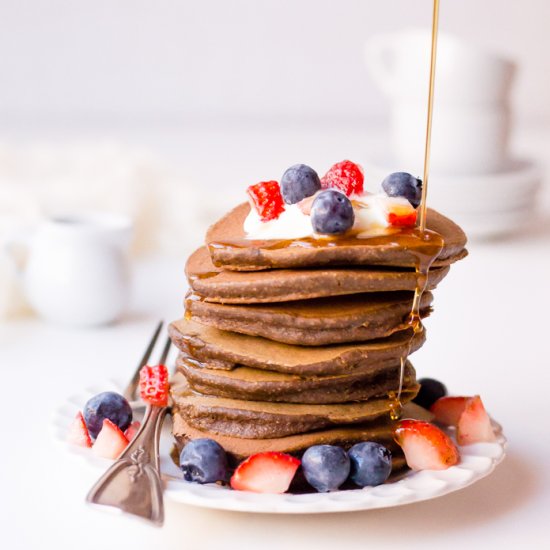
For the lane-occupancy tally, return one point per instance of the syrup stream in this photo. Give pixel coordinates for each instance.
(427, 149)
(424, 264)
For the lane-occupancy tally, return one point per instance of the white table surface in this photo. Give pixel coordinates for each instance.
(489, 334)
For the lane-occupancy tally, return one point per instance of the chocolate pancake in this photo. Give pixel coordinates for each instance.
(257, 385)
(219, 349)
(230, 249)
(260, 419)
(284, 285)
(240, 448)
(350, 318)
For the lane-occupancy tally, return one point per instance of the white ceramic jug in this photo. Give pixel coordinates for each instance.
(76, 270)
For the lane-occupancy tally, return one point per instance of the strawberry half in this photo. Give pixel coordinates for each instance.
(78, 432)
(110, 441)
(266, 199)
(447, 410)
(425, 446)
(153, 385)
(346, 176)
(269, 472)
(400, 212)
(474, 424)
(132, 430)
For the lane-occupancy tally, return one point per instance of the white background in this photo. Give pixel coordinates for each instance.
(171, 61)
(232, 91)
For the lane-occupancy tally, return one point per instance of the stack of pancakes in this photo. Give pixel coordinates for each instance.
(289, 344)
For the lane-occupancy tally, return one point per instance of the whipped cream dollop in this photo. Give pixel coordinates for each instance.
(371, 218)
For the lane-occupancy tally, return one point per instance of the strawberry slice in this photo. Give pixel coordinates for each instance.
(266, 199)
(153, 385)
(78, 432)
(399, 212)
(474, 424)
(447, 410)
(425, 446)
(110, 441)
(132, 430)
(269, 472)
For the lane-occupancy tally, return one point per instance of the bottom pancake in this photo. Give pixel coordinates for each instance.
(241, 448)
(261, 420)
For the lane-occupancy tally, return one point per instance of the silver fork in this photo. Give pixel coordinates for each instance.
(132, 484)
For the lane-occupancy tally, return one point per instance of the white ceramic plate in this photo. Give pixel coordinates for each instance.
(477, 461)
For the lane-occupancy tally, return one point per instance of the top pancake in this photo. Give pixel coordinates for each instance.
(284, 285)
(230, 249)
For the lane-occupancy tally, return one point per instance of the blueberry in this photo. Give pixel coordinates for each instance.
(370, 463)
(108, 404)
(331, 213)
(402, 184)
(203, 461)
(430, 391)
(298, 182)
(325, 467)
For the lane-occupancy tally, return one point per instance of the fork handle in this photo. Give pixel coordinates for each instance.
(148, 436)
(133, 483)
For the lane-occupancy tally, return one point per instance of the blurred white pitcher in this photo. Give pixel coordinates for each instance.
(76, 272)
(471, 112)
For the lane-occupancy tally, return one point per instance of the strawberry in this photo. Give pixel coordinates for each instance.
(346, 176)
(400, 212)
(425, 446)
(269, 472)
(474, 424)
(78, 432)
(267, 200)
(153, 385)
(132, 430)
(110, 441)
(447, 410)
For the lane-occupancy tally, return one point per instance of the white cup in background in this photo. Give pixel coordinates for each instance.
(471, 122)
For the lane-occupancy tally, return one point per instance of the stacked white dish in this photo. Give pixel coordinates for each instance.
(473, 177)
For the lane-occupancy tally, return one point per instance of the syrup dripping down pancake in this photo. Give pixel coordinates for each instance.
(230, 249)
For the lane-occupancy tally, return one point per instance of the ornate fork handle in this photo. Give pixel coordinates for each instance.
(133, 483)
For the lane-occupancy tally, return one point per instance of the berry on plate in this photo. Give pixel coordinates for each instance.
(298, 182)
(266, 199)
(346, 176)
(108, 404)
(153, 385)
(331, 213)
(474, 424)
(78, 433)
(132, 430)
(325, 467)
(430, 391)
(269, 472)
(370, 463)
(203, 461)
(425, 446)
(447, 410)
(467, 415)
(403, 184)
(110, 441)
